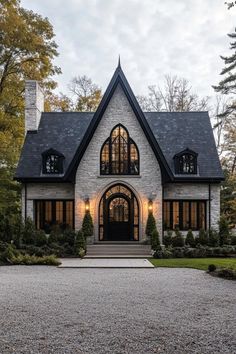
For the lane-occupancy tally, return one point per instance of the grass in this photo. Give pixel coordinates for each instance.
(196, 263)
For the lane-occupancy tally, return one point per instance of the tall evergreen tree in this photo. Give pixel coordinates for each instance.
(227, 85)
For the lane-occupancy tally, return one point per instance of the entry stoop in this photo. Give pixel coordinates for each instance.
(118, 250)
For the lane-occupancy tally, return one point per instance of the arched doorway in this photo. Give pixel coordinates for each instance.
(118, 215)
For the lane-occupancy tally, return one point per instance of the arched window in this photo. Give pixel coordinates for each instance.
(52, 162)
(186, 162)
(119, 154)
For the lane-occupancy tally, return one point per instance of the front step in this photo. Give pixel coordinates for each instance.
(118, 251)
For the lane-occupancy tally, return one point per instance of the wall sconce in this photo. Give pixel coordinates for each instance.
(150, 206)
(87, 204)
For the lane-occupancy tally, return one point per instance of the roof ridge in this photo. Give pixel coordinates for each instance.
(69, 112)
(175, 112)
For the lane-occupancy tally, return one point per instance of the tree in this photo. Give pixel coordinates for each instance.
(88, 95)
(151, 225)
(228, 197)
(227, 87)
(175, 95)
(228, 84)
(230, 4)
(57, 103)
(27, 52)
(87, 225)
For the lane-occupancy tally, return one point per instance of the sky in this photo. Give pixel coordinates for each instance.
(152, 37)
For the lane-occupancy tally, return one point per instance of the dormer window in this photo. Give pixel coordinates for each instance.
(186, 162)
(52, 162)
(119, 154)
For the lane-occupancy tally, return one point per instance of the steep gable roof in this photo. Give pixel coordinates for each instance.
(119, 78)
(168, 133)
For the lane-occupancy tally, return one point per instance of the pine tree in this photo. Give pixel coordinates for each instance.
(87, 226)
(228, 84)
(155, 240)
(80, 244)
(190, 239)
(151, 225)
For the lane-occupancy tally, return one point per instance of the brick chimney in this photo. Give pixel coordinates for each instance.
(34, 104)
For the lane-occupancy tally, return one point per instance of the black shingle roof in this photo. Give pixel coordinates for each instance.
(60, 131)
(167, 134)
(174, 131)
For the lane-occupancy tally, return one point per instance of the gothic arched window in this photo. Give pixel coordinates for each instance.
(52, 162)
(186, 162)
(119, 154)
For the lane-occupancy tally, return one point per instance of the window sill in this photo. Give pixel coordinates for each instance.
(119, 176)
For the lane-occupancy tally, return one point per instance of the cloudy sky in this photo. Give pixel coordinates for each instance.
(153, 37)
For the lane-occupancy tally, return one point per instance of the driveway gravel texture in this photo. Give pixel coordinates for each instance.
(52, 310)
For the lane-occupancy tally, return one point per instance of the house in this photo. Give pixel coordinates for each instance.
(120, 163)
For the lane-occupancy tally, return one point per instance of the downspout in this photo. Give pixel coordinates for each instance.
(209, 206)
(25, 201)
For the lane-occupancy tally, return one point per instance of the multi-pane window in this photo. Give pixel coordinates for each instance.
(52, 162)
(186, 162)
(54, 212)
(184, 214)
(119, 154)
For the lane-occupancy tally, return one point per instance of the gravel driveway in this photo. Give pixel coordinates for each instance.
(135, 311)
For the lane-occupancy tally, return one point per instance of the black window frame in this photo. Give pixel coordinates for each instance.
(179, 162)
(180, 225)
(110, 143)
(58, 168)
(41, 221)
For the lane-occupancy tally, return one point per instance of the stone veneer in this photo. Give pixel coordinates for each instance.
(34, 104)
(36, 191)
(90, 184)
(197, 191)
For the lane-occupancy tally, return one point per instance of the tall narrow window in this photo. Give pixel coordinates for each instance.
(119, 154)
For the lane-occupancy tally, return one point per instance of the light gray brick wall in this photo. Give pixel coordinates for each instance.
(197, 191)
(215, 205)
(90, 184)
(44, 191)
(34, 104)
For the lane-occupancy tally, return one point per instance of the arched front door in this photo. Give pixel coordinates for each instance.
(118, 215)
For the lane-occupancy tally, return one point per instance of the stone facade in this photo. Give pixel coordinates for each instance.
(35, 191)
(204, 191)
(34, 104)
(90, 184)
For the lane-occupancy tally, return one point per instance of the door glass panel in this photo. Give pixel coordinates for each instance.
(118, 210)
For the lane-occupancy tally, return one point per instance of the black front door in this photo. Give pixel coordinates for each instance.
(118, 219)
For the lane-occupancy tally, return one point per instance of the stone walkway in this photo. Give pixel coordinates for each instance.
(105, 263)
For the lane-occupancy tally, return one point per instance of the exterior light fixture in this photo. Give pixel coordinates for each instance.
(150, 206)
(87, 204)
